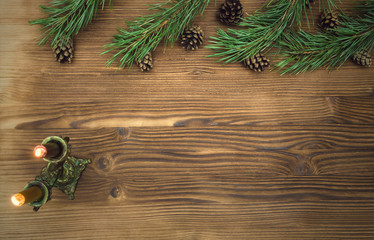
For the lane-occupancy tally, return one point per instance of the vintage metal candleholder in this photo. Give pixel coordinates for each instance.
(62, 171)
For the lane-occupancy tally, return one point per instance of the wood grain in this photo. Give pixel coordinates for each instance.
(196, 183)
(180, 112)
(191, 150)
(250, 151)
(177, 74)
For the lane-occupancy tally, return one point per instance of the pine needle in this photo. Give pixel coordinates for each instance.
(145, 33)
(66, 18)
(261, 30)
(329, 49)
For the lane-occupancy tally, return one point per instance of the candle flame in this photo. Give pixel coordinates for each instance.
(40, 151)
(18, 199)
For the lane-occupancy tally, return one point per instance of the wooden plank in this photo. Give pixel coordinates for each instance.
(195, 149)
(30, 74)
(200, 183)
(244, 151)
(197, 220)
(193, 112)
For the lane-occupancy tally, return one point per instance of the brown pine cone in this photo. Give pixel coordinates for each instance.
(329, 20)
(362, 58)
(192, 38)
(64, 51)
(146, 63)
(230, 12)
(257, 63)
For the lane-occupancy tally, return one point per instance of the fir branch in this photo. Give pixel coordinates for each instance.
(145, 33)
(66, 18)
(274, 20)
(307, 52)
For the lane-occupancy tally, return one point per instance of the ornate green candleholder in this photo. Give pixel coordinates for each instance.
(62, 171)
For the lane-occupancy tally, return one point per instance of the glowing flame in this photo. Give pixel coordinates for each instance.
(18, 199)
(40, 151)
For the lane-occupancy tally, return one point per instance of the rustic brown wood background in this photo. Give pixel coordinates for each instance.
(192, 149)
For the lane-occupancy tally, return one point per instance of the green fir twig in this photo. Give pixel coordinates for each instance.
(261, 30)
(145, 33)
(304, 51)
(66, 18)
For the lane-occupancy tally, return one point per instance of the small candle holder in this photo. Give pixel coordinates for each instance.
(62, 171)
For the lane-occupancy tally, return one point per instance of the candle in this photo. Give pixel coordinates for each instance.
(47, 150)
(62, 171)
(30, 194)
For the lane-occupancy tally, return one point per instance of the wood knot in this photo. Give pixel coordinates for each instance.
(303, 166)
(302, 169)
(104, 163)
(117, 192)
(123, 134)
(196, 72)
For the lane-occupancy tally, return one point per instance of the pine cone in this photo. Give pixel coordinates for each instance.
(231, 12)
(257, 63)
(64, 51)
(362, 58)
(146, 63)
(192, 38)
(329, 20)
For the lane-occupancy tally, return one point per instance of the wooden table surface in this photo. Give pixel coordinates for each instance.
(192, 149)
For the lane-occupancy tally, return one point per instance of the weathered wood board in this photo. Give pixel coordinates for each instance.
(191, 150)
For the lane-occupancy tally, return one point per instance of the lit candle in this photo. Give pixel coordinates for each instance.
(30, 194)
(47, 150)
